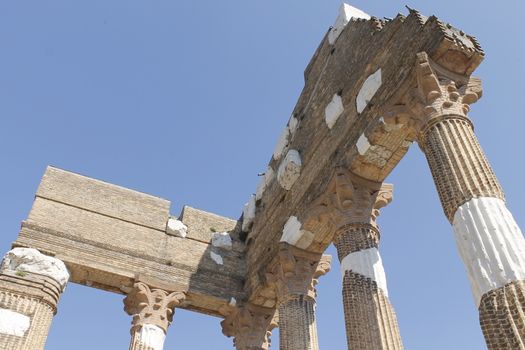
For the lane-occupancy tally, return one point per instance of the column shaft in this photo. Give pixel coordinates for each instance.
(294, 277)
(297, 325)
(458, 165)
(489, 240)
(147, 337)
(370, 319)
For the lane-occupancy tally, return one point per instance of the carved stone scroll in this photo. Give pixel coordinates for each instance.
(152, 311)
(250, 326)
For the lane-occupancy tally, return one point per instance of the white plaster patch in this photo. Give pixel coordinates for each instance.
(390, 127)
(264, 183)
(368, 263)
(284, 138)
(292, 234)
(216, 257)
(31, 260)
(292, 124)
(282, 142)
(289, 169)
(490, 243)
(346, 13)
(221, 240)
(13, 323)
(333, 110)
(152, 337)
(248, 214)
(176, 228)
(368, 90)
(362, 144)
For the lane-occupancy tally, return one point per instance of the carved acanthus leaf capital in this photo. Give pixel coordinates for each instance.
(323, 267)
(151, 306)
(437, 93)
(350, 200)
(297, 272)
(250, 325)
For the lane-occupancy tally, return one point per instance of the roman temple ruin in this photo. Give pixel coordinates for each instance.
(373, 88)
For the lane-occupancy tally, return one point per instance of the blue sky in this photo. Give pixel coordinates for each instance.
(186, 99)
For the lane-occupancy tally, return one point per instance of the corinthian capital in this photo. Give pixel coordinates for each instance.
(351, 200)
(250, 326)
(151, 306)
(437, 93)
(297, 272)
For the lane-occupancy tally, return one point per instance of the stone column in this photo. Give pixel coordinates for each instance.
(152, 311)
(350, 207)
(294, 279)
(30, 286)
(250, 325)
(489, 240)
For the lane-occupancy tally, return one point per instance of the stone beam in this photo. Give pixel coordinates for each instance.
(110, 237)
(338, 122)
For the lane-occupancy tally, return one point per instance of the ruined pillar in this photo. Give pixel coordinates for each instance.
(370, 319)
(488, 239)
(294, 278)
(152, 311)
(30, 286)
(349, 209)
(250, 325)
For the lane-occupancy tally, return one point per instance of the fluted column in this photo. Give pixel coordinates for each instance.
(30, 286)
(250, 325)
(489, 241)
(152, 311)
(294, 279)
(350, 208)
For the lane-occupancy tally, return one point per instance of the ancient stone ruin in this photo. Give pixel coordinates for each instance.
(373, 87)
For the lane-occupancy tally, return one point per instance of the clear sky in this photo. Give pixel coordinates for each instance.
(186, 99)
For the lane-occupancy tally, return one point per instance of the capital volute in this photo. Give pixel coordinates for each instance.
(437, 93)
(151, 306)
(297, 272)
